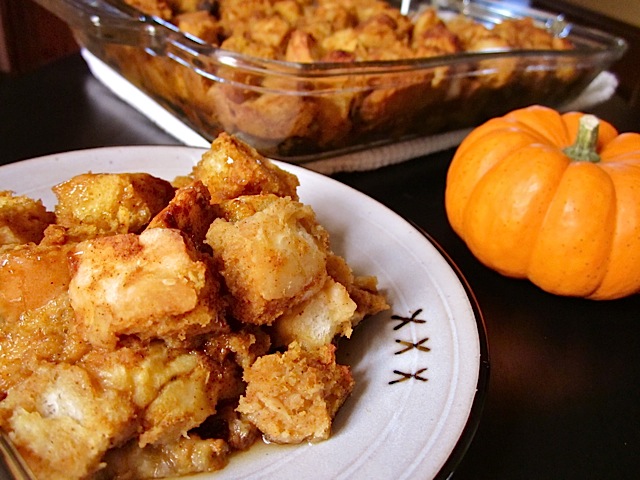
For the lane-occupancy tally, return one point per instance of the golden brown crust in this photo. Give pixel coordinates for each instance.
(31, 275)
(231, 168)
(292, 397)
(22, 219)
(111, 275)
(189, 211)
(271, 259)
(91, 205)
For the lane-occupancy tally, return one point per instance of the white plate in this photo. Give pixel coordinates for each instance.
(419, 382)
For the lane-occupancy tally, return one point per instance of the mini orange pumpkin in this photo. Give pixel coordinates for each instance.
(552, 198)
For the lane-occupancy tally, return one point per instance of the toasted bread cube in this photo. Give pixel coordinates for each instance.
(173, 389)
(151, 392)
(184, 402)
(363, 289)
(231, 168)
(319, 320)
(189, 211)
(154, 285)
(292, 397)
(62, 422)
(270, 259)
(96, 204)
(200, 24)
(22, 219)
(30, 276)
(45, 334)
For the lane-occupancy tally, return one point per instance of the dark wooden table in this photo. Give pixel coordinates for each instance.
(563, 400)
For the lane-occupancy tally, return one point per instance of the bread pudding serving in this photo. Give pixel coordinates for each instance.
(151, 328)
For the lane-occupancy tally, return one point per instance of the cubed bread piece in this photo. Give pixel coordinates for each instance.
(318, 320)
(45, 334)
(271, 259)
(200, 24)
(172, 389)
(30, 276)
(153, 393)
(95, 204)
(63, 422)
(293, 397)
(342, 303)
(362, 289)
(268, 116)
(152, 285)
(22, 219)
(189, 211)
(231, 168)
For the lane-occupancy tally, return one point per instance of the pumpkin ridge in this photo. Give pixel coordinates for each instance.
(472, 141)
(622, 274)
(570, 252)
(468, 167)
(553, 187)
(511, 231)
(545, 122)
(525, 128)
(629, 160)
(625, 145)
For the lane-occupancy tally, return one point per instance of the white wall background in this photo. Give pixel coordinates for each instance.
(627, 11)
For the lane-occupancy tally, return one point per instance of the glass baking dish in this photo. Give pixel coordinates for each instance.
(305, 111)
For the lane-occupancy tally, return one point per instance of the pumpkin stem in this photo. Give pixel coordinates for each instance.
(584, 148)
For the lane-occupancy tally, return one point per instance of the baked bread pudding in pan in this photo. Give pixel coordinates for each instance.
(299, 79)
